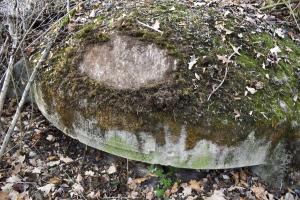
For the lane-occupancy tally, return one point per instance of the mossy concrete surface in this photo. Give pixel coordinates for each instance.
(250, 74)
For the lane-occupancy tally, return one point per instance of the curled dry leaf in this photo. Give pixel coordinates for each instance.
(47, 188)
(224, 59)
(217, 195)
(174, 188)
(192, 62)
(66, 159)
(156, 25)
(280, 32)
(77, 188)
(275, 50)
(251, 90)
(55, 180)
(196, 185)
(112, 169)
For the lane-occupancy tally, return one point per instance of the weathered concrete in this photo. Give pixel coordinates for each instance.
(126, 64)
(134, 92)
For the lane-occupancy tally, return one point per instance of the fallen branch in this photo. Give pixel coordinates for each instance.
(24, 95)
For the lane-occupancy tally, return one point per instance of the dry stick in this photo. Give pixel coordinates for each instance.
(224, 78)
(3, 47)
(11, 61)
(6, 80)
(276, 4)
(12, 32)
(68, 8)
(26, 90)
(51, 27)
(150, 27)
(288, 5)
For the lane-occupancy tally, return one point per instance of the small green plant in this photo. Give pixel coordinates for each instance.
(165, 181)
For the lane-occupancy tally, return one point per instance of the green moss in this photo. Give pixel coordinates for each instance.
(247, 61)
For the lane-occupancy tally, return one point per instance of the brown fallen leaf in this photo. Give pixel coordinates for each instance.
(4, 196)
(259, 192)
(139, 180)
(55, 180)
(132, 183)
(236, 177)
(52, 158)
(174, 188)
(196, 185)
(243, 175)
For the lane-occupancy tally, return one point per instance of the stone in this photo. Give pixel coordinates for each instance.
(128, 90)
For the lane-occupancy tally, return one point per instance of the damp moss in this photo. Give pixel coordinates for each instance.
(186, 32)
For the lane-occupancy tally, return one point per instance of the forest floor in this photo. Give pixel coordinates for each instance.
(43, 163)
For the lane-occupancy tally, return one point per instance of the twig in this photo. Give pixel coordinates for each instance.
(26, 90)
(51, 27)
(224, 78)
(276, 4)
(13, 34)
(6, 81)
(3, 47)
(150, 27)
(288, 5)
(29, 29)
(68, 8)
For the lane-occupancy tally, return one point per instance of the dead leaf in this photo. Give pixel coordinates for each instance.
(217, 195)
(196, 185)
(275, 50)
(251, 90)
(224, 59)
(237, 114)
(259, 192)
(52, 158)
(79, 178)
(66, 159)
(4, 195)
(50, 138)
(156, 25)
(174, 188)
(76, 187)
(167, 193)
(89, 173)
(192, 62)
(55, 180)
(280, 32)
(187, 190)
(112, 169)
(150, 195)
(259, 85)
(139, 180)
(47, 188)
(94, 195)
